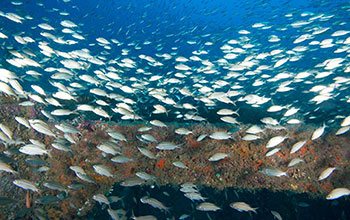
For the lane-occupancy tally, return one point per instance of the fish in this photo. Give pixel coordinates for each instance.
(227, 112)
(220, 135)
(145, 176)
(132, 181)
(154, 203)
(6, 131)
(85, 177)
(61, 146)
(218, 156)
(36, 161)
(254, 129)
(250, 137)
(158, 123)
(295, 161)
(242, 206)
(46, 200)
(54, 186)
(194, 196)
(67, 128)
(337, 193)
(318, 132)
(121, 159)
(113, 214)
(168, 146)
(25, 184)
(146, 152)
(148, 138)
(180, 164)
(207, 206)
(342, 130)
(103, 170)
(270, 171)
(276, 215)
(109, 148)
(273, 142)
(101, 199)
(326, 173)
(345, 122)
(183, 131)
(117, 135)
(273, 151)
(41, 127)
(201, 137)
(297, 146)
(32, 149)
(5, 167)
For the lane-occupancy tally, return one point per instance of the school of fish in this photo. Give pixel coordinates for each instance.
(254, 84)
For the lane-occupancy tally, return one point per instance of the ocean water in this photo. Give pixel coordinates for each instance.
(187, 60)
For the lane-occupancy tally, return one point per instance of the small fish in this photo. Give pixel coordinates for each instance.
(242, 206)
(217, 157)
(250, 137)
(345, 122)
(295, 161)
(132, 181)
(220, 135)
(276, 215)
(342, 130)
(101, 199)
(194, 196)
(207, 206)
(183, 131)
(326, 173)
(6, 131)
(109, 148)
(85, 177)
(41, 127)
(254, 129)
(144, 129)
(37, 161)
(297, 146)
(201, 137)
(25, 184)
(273, 142)
(76, 186)
(167, 146)
(179, 164)
(318, 132)
(117, 135)
(121, 159)
(113, 214)
(146, 152)
(45, 200)
(103, 170)
(77, 169)
(149, 138)
(154, 203)
(158, 123)
(5, 167)
(22, 121)
(273, 151)
(32, 149)
(145, 176)
(270, 171)
(337, 193)
(55, 186)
